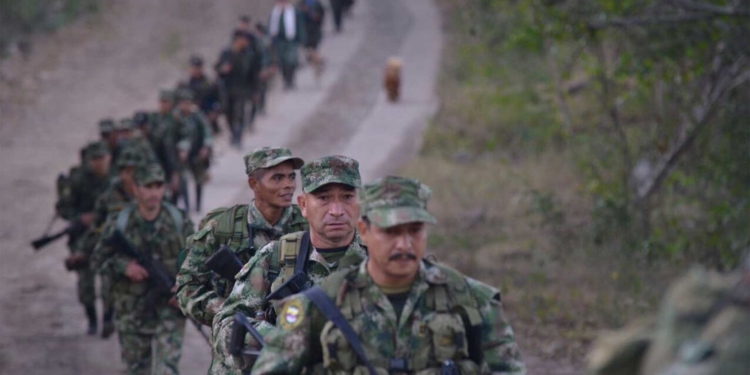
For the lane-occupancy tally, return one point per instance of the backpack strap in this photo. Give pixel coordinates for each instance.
(326, 305)
(123, 217)
(232, 224)
(179, 221)
(291, 254)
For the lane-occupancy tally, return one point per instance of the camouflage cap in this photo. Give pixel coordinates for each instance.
(166, 95)
(125, 124)
(106, 125)
(393, 200)
(96, 150)
(267, 157)
(129, 157)
(328, 170)
(149, 174)
(185, 94)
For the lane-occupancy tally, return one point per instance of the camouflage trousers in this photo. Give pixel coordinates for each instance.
(87, 289)
(155, 347)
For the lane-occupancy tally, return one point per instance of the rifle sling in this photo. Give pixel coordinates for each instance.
(304, 253)
(332, 313)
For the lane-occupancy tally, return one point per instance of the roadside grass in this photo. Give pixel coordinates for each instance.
(512, 193)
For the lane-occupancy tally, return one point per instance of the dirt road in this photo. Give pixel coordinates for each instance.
(113, 64)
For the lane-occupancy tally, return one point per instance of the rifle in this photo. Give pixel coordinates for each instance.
(225, 263)
(46, 239)
(241, 327)
(158, 276)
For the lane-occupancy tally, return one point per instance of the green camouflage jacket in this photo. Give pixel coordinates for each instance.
(80, 195)
(195, 132)
(702, 328)
(429, 331)
(164, 136)
(250, 290)
(111, 201)
(200, 292)
(161, 240)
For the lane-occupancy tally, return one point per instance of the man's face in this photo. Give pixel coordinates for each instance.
(110, 138)
(331, 210)
(240, 43)
(186, 105)
(277, 185)
(196, 71)
(165, 106)
(149, 196)
(100, 165)
(395, 252)
(126, 175)
(242, 25)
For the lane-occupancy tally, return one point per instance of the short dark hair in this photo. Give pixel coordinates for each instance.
(245, 19)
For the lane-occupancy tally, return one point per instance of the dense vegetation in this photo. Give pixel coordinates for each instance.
(588, 150)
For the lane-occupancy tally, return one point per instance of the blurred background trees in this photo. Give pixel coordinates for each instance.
(650, 96)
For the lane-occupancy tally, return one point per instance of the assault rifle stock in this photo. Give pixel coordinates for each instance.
(241, 327)
(225, 263)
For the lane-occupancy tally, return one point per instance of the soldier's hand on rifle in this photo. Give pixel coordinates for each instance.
(87, 218)
(226, 68)
(136, 272)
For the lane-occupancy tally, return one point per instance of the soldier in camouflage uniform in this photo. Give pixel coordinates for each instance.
(331, 205)
(119, 193)
(245, 228)
(205, 92)
(167, 130)
(128, 137)
(76, 204)
(702, 328)
(150, 329)
(410, 315)
(198, 137)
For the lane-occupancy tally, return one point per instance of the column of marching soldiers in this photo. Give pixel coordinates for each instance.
(240, 272)
(336, 283)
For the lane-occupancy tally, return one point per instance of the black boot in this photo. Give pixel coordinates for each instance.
(91, 315)
(108, 326)
(198, 195)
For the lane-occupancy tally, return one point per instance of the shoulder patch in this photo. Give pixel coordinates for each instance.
(292, 314)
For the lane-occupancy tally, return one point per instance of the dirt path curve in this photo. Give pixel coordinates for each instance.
(114, 63)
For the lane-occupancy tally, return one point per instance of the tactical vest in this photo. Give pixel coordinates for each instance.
(285, 257)
(454, 329)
